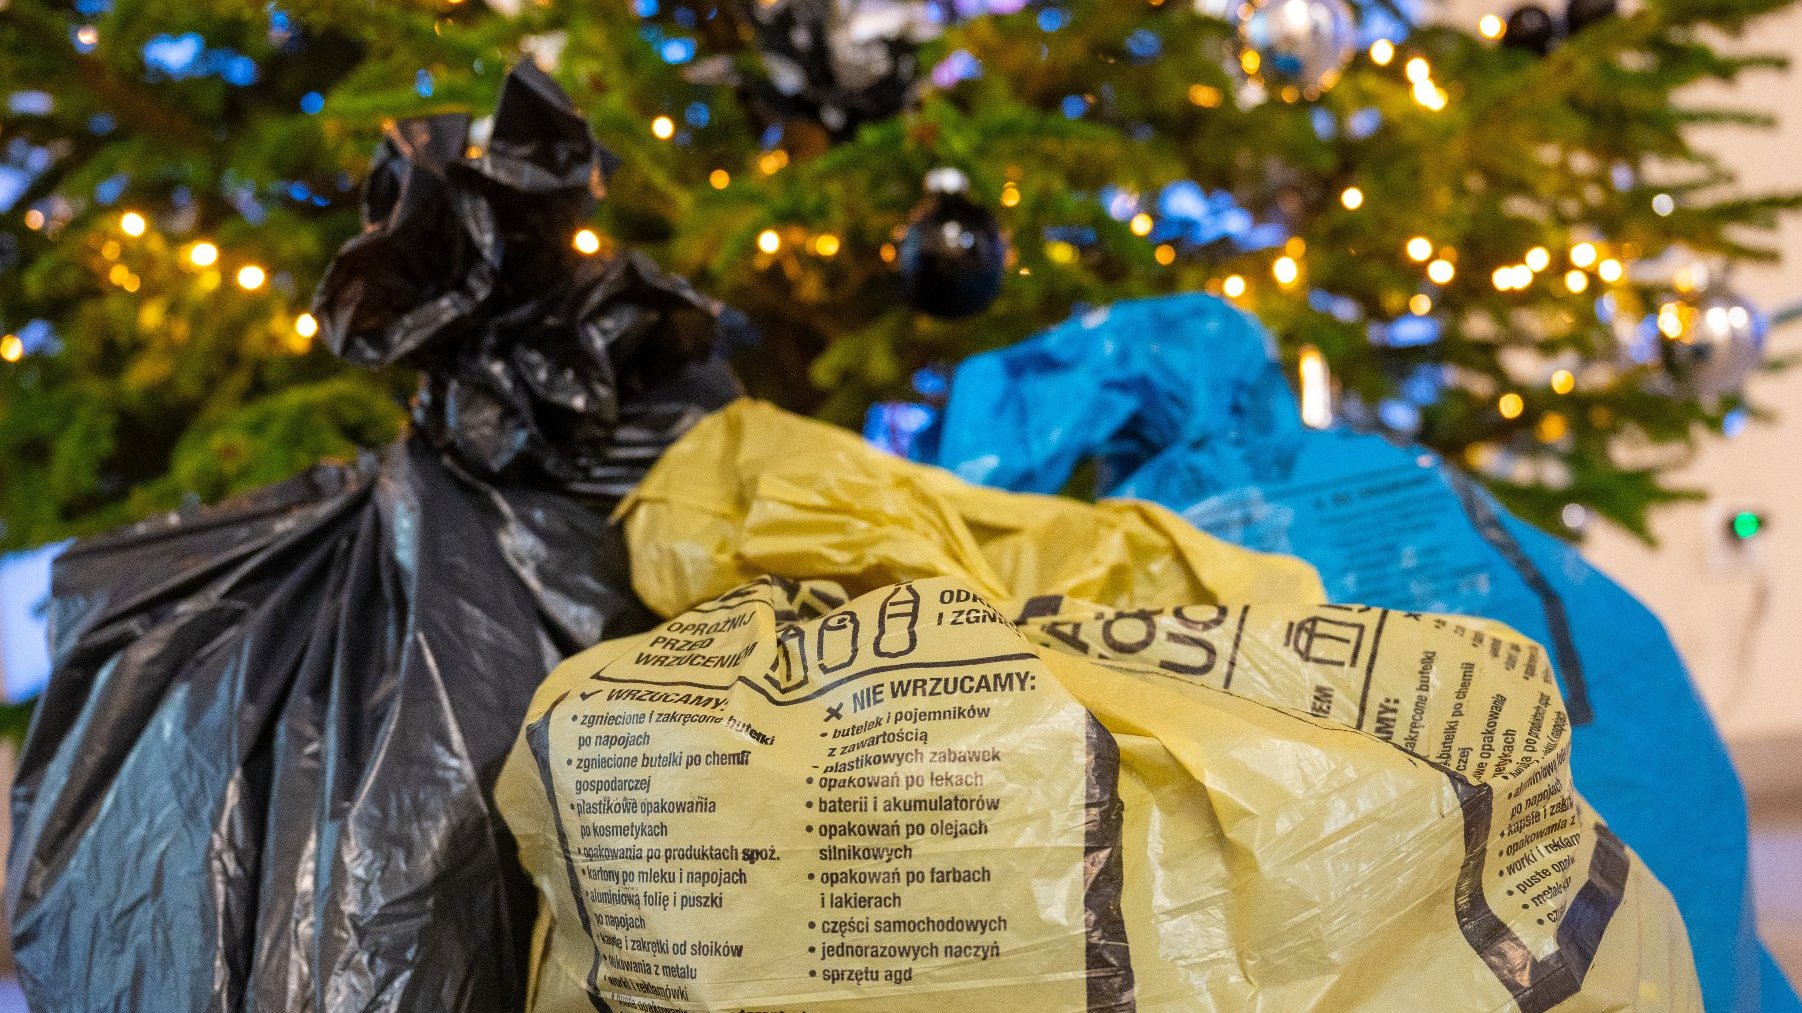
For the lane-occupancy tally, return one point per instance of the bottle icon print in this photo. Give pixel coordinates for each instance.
(895, 629)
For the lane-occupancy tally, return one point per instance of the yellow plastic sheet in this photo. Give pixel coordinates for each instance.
(755, 490)
(893, 776)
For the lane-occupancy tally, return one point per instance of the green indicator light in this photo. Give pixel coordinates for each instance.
(1746, 525)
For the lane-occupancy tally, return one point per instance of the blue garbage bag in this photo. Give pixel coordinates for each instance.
(1180, 400)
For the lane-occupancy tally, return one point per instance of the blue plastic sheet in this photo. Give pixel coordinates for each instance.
(1180, 400)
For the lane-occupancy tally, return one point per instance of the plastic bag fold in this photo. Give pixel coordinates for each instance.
(261, 776)
(1180, 401)
(898, 772)
(787, 496)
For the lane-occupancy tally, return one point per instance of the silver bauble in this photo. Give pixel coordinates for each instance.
(844, 62)
(1721, 346)
(1296, 48)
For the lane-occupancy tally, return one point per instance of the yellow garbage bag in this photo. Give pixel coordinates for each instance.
(855, 786)
(755, 490)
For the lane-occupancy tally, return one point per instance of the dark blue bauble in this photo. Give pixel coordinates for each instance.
(952, 255)
(1532, 29)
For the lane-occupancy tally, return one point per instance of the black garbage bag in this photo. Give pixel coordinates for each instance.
(261, 776)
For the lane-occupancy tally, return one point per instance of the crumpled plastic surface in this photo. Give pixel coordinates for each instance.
(533, 354)
(800, 478)
(1180, 401)
(854, 784)
(261, 776)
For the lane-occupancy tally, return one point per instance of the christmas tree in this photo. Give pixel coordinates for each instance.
(1491, 237)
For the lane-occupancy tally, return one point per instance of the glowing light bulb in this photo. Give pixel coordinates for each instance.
(826, 245)
(306, 325)
(720, 179)
(1010, 196)
(1538, 259)
(1692, 277)
(1663, 205)
(1491, 26)
(1563, 382)
(1382, 52)
(1441, 271)
(1234, 286)
(1746, 525)
(251, 277)
(663, 128)
(1420, 249)
(1430, 97)
(1316, 404)
(1611, 271)
(1551, 428)
(34, 219)
(1576, 280)
(11, 348)
(1205, 96)
(1583, 254)
(769, 241)
(203, 254)
(1511, 405)
(1285, 271)
(1166, 254)
(1352, 198)
(1670, 321)
(1418, 70)
(1503, 278)
(586, 242)
(1420, 304)
(1142, 224)
(132, 224)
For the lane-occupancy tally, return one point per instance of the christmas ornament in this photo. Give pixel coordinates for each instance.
(1296, 48)
(1583, 13)
(1532, 29)
(843, 63)
(1719, 346)
(951, 255)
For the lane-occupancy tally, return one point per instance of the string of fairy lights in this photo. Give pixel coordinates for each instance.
(200, 256)
(1584, 264)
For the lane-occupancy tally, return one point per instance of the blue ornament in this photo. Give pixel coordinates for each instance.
(952, 255)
